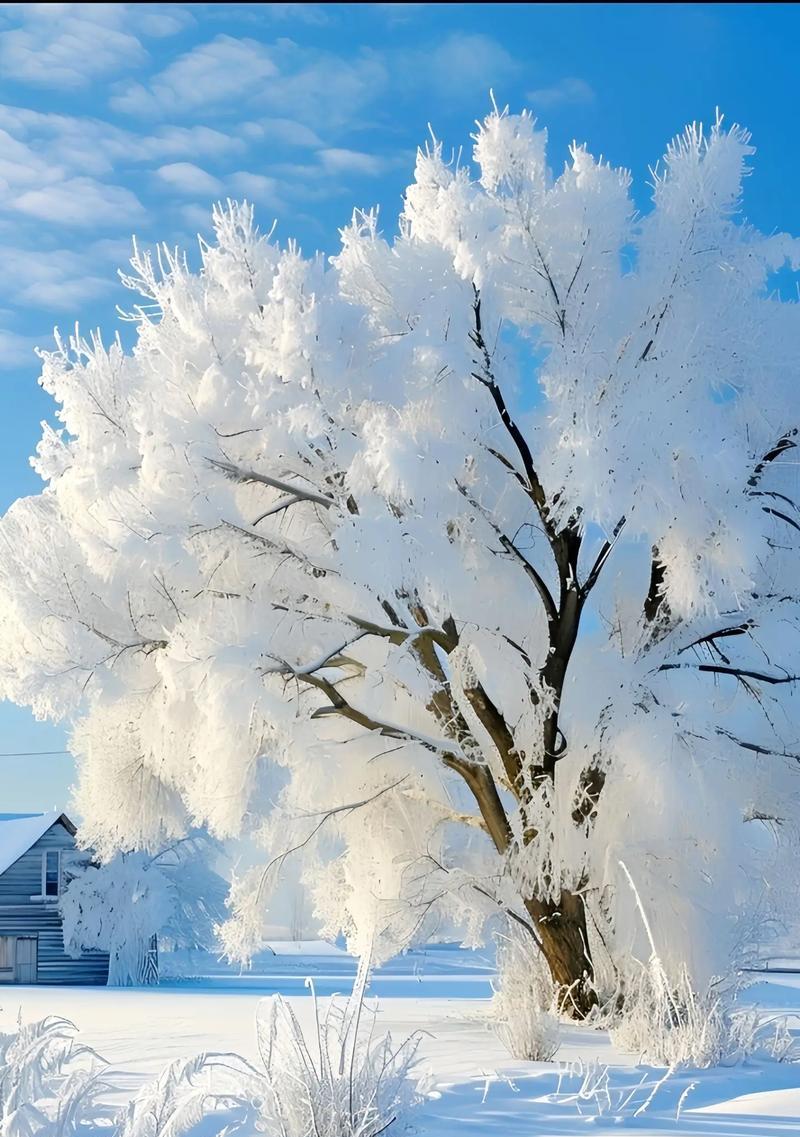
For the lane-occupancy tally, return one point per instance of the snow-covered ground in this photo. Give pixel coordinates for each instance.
(444, 993)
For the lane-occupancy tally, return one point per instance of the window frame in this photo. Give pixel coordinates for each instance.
(45, 854)
(13, 944)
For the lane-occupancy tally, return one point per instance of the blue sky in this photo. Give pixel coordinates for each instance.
(118, 119)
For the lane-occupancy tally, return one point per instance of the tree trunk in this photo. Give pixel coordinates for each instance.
(561, 929)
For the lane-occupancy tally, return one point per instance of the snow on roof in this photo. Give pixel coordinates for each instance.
(18, 831)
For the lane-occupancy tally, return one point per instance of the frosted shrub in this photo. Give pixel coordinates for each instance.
(48, 1082)
(340, 1082)
(676, 1026)
(343, 1084)
(188, 1090)
(524, 1009)
(673, 1025)
(670, 1022)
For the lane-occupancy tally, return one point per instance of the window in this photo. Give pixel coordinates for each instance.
(51, 869)
(7, 947)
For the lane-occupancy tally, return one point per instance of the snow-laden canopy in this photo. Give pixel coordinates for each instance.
(464, 565)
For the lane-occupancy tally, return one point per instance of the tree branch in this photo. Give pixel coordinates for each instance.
(722, 633)
(508, 545)
(784, 443)
(602, 557)
(735, 672)
(756, 748)
(485, 376)
(237, 474)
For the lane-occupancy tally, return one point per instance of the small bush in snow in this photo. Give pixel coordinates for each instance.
(49, 1083)
(671, 1023)
(340, 1082)
(524, 1012)
(674, 1025)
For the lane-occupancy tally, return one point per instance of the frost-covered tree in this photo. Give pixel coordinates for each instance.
(124, 906)
(463, 563)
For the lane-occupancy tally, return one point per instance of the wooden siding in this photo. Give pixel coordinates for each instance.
(20, 915)
(24, 878)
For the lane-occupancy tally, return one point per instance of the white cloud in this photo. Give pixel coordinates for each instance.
(338, 161)
(212, 73)
(188, 179)
(569, 91)
(464, 62)
(80, 202)
(67, 45)
(255, 187)
(194, 141)
(92, 146)
(312, 14)
(161, 20)
(284, 131)
(57, 280)
(21, 166)
(228, 74)
(324, 89)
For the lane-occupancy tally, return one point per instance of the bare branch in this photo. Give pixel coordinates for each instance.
(786, 442)
(757, 748)
(602, 557)
(350, 807)
(284, 503)
(722, 633)
(339, 705)
(735, 672)
(783, 516)
(485, 376)
(508, 545)
(237, 474)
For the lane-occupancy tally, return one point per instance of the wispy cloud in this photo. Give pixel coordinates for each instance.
(95, 146)
(466, 63)
(209, 74)
(256, 187)
(250, 112)
(68, 45)
(569, 91)
(338, 161)
(80, 202)
(188, 179)
(283, 131)
(62, 279)
(244, 78)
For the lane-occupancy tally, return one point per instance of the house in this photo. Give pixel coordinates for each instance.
(35, 849)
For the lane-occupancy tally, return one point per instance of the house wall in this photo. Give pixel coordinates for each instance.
(22, 916)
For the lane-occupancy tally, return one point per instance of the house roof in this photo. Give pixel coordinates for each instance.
(18, 831)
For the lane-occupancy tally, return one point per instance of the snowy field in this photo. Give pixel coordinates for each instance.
(443, 993)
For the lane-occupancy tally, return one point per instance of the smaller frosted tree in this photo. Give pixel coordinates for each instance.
(122, 906)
